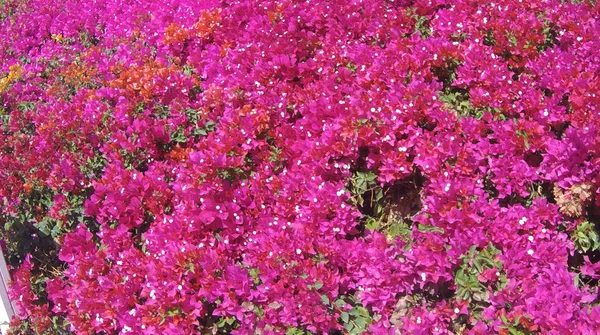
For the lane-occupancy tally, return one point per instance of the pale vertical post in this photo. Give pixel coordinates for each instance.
(7, 311)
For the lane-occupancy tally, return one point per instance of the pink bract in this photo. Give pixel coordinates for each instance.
(296, 167)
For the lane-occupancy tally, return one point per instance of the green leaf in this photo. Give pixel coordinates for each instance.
(517, 321)
(459, 278)
(349, 326)
(472, 251)
(361, 322)
(210, 125)
(372, 224)
(345, 317)
(378, 194)
(173, 312)
(325, 299)
(340, 303)
(294, 331)
(429, 229)
(57, 229)
(44, 227)
(318, 285)
(513, 331)
(362, 311)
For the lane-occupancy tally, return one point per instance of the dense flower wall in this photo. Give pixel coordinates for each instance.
(301, 167)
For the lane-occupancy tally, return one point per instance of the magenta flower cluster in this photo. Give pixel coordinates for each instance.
(303, 167)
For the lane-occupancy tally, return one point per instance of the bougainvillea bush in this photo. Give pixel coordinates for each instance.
(301, 167)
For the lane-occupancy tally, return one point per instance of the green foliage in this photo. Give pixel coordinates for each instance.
(88, 40)
(276, 154)
(579, 2)
(355, 321)
(162, 111)
(231, 174)
(188, 70)
(474, 263)
(489, 38)
(458, 101)
(550, 36)
(351, 67)
(255, 275)
(459, 37)
(325, 299)
(178, 136)
(388, 209)
(429, 229)
(134, 160)
(367, 193)
(399, 228)
(4, 120)
(73, 214)
(512, 39)
(586, 237)
(209, 126)
(515, 327)
(194, 118)
(227, 321)
(296, 331)
(523, 134)
(535, 191)
(94, 166)
(362, 185)
(421, 24)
